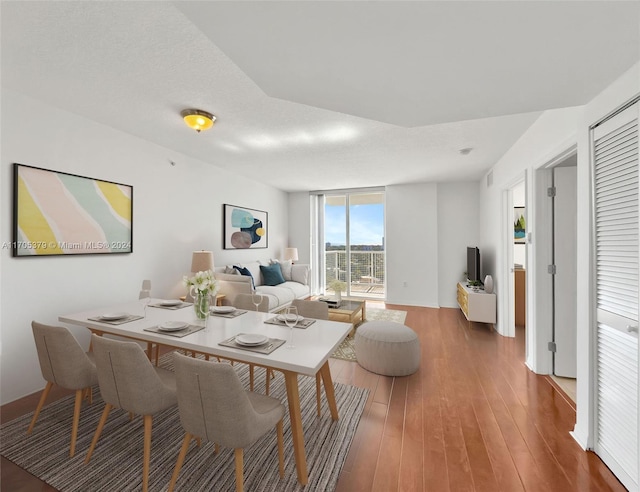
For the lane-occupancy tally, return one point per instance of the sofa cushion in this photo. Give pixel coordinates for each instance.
(281, 295)
(299, 291)
(254, 268)
(285, 266)
(272, 274)
(300, 274)
(245, 271)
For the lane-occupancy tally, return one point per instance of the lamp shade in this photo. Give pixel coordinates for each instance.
(202, 261)
(291, 254)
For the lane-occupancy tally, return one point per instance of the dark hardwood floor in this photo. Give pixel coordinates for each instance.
(472, 418)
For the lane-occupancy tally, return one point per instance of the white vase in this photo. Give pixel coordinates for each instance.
(488, 284)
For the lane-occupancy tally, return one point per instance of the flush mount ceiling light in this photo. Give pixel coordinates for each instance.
(466, 150)
(197, 119)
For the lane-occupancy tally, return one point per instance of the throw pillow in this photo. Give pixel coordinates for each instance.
(246, 272)
(285, 266)
(272, 274)
(231, 270)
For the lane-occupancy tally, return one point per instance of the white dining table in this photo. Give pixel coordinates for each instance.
(313, 347)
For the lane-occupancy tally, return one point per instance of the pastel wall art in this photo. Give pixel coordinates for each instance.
(56, 213)
(244, 228)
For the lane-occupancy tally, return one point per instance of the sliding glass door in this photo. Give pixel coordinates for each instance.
(352, 243)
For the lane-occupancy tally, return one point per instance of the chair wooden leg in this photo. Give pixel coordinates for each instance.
(96, 436)
(131, 415)
(239, 471)
(148, 420)
(216, 448)
(267, 382)
(318, 395)
(157, 355)
(181, 456)
(150, 351)
(43, 398)
(280, 448)
(251, 368)
(76, 421)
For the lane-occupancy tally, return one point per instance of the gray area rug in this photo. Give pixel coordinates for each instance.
(116, 464)
(346, 350)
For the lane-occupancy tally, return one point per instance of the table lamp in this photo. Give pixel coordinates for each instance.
(291, 254)
(201, 261)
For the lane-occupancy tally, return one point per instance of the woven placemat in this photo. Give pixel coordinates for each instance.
(178, 333)
(265, 348)
(303, 323)
(130, 317)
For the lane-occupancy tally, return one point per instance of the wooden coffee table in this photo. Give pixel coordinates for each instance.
(348, 312)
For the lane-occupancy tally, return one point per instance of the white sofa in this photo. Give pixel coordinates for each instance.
(296, 285)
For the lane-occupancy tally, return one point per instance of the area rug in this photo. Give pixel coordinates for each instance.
(116, 464)
(346, 350)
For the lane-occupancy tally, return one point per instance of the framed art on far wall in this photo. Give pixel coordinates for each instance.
(245, 228)
(59, 214)
(519, 225)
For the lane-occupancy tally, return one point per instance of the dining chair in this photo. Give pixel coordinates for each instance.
(146, 289)
(63, 362)
(314, 310)
(129, 381)
(214, 406)
(245, 301)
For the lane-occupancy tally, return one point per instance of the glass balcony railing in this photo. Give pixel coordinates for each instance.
(367, 272)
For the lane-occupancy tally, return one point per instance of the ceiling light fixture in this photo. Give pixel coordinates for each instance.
(466, 150)
(197, 119)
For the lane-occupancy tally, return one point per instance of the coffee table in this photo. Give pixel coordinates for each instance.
(349, 312)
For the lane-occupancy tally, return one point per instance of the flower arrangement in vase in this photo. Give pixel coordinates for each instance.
(201, 287)
(337, 286)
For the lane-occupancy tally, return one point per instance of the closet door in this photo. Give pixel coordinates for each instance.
(615, 157)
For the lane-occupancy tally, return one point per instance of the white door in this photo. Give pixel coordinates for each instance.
(565, 204)
(615, 157)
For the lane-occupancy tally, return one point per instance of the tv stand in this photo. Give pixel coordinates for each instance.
(476, 304)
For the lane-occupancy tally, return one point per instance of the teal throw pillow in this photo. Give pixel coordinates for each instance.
(272, 274)
(247, 273)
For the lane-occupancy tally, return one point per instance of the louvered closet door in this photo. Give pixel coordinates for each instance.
(616, 225)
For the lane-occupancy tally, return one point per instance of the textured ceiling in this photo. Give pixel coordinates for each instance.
(321, 95)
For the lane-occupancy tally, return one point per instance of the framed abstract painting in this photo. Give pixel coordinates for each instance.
(56, 213)
(245, 228)
(519, 226)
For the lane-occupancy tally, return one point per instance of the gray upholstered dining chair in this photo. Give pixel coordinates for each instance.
(214, 406)
(129, 381)
(245, 301)
(64, 363)
(314, 310)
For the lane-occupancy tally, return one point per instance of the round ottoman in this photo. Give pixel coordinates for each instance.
(387, 348)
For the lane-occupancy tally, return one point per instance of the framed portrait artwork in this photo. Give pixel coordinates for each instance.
(56, 213)
(245, 228)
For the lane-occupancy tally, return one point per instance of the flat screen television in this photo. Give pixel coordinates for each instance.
(473, 263)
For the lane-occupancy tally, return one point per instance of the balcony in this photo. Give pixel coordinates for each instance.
(367, 272)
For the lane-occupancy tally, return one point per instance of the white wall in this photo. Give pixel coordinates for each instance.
(412, 244)
(177, 209)
(457, 229)
(549, 135)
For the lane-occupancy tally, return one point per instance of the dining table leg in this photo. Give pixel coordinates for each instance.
(297, 435)
(325, 372)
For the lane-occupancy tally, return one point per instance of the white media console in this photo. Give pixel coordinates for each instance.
(476, 304)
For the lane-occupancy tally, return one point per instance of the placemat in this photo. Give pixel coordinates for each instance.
(131, 317)
(304, 323)
(232, 314)
(178, 333)
(177, 306)
(267, 348)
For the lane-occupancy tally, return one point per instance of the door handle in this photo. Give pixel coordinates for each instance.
(632, 329)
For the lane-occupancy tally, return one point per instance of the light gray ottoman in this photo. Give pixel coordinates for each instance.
(387, 348)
